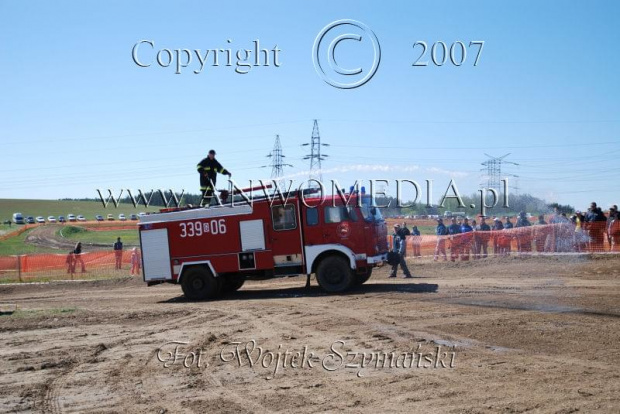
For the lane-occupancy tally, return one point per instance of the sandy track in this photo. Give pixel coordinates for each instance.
(535, 334)
(45, 236)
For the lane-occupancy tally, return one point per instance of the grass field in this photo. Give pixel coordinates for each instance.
(45, 208)
(128, 237)
(17, 245)
(4, 229)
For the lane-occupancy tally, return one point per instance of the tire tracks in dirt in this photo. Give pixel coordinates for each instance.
(45, 236)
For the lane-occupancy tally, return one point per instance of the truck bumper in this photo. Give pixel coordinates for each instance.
(379, 259)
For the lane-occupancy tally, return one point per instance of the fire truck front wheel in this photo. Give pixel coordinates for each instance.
(199, 284)
(334, 274)
(232, 284)
(360, 279)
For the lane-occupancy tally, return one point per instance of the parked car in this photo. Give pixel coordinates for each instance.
(141, 214)
(111, 217)
(133, 217)
(18, 218)
(61, 219)
(40, 220)
(122, 217)
(30, 220)
(81, 218)
(70, 217)
(51, 219)
(99, 217)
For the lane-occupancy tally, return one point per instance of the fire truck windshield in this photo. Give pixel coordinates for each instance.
(371, 213)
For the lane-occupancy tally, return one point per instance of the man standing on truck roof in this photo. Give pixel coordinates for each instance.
(208, 169)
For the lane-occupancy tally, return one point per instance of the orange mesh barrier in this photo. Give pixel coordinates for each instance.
(550, 238)
(537, 239)
(17, 231)
(67, 266)
(8, 263)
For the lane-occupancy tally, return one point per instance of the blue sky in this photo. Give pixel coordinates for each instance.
(78, 114)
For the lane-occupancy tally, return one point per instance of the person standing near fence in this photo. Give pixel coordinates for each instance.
(466, 239)
(118, 254)
(398, 246)
(78, 256)
(403, 233)
(524, 237)
(417, 241)
(613, 229)
(542, 235)
(475, 238)
(581, 239)
(441, 231)
(595, 224)
(454, 230)
(497, 226)
(135, 261)
(482, 246)
(508, 226)
(613, 216)
(70, 263)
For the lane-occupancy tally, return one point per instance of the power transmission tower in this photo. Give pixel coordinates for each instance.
(315, 155)
(494, 170)
(277, 160)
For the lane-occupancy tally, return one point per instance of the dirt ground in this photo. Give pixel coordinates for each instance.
(503, 335)
(45, 236)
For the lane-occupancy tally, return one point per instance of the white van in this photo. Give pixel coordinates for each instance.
(18, 218)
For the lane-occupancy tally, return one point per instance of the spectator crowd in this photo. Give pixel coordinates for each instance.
(462, 239)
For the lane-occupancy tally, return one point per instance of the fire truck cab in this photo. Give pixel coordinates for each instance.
(212, 251)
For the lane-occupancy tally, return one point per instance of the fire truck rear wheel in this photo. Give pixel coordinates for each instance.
(363, 278)
(199, 284)
(334, 274)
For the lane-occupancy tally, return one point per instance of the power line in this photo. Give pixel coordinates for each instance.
(136, 134)
(481, 148)
(409, 121)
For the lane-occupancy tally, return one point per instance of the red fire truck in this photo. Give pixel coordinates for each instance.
(212, 251)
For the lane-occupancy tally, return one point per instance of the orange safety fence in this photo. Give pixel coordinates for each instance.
(544, 239)
(562, 238)
(17, 231)
(96, 264)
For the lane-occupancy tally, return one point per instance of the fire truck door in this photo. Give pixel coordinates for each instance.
(285, 235)
(340, 227)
